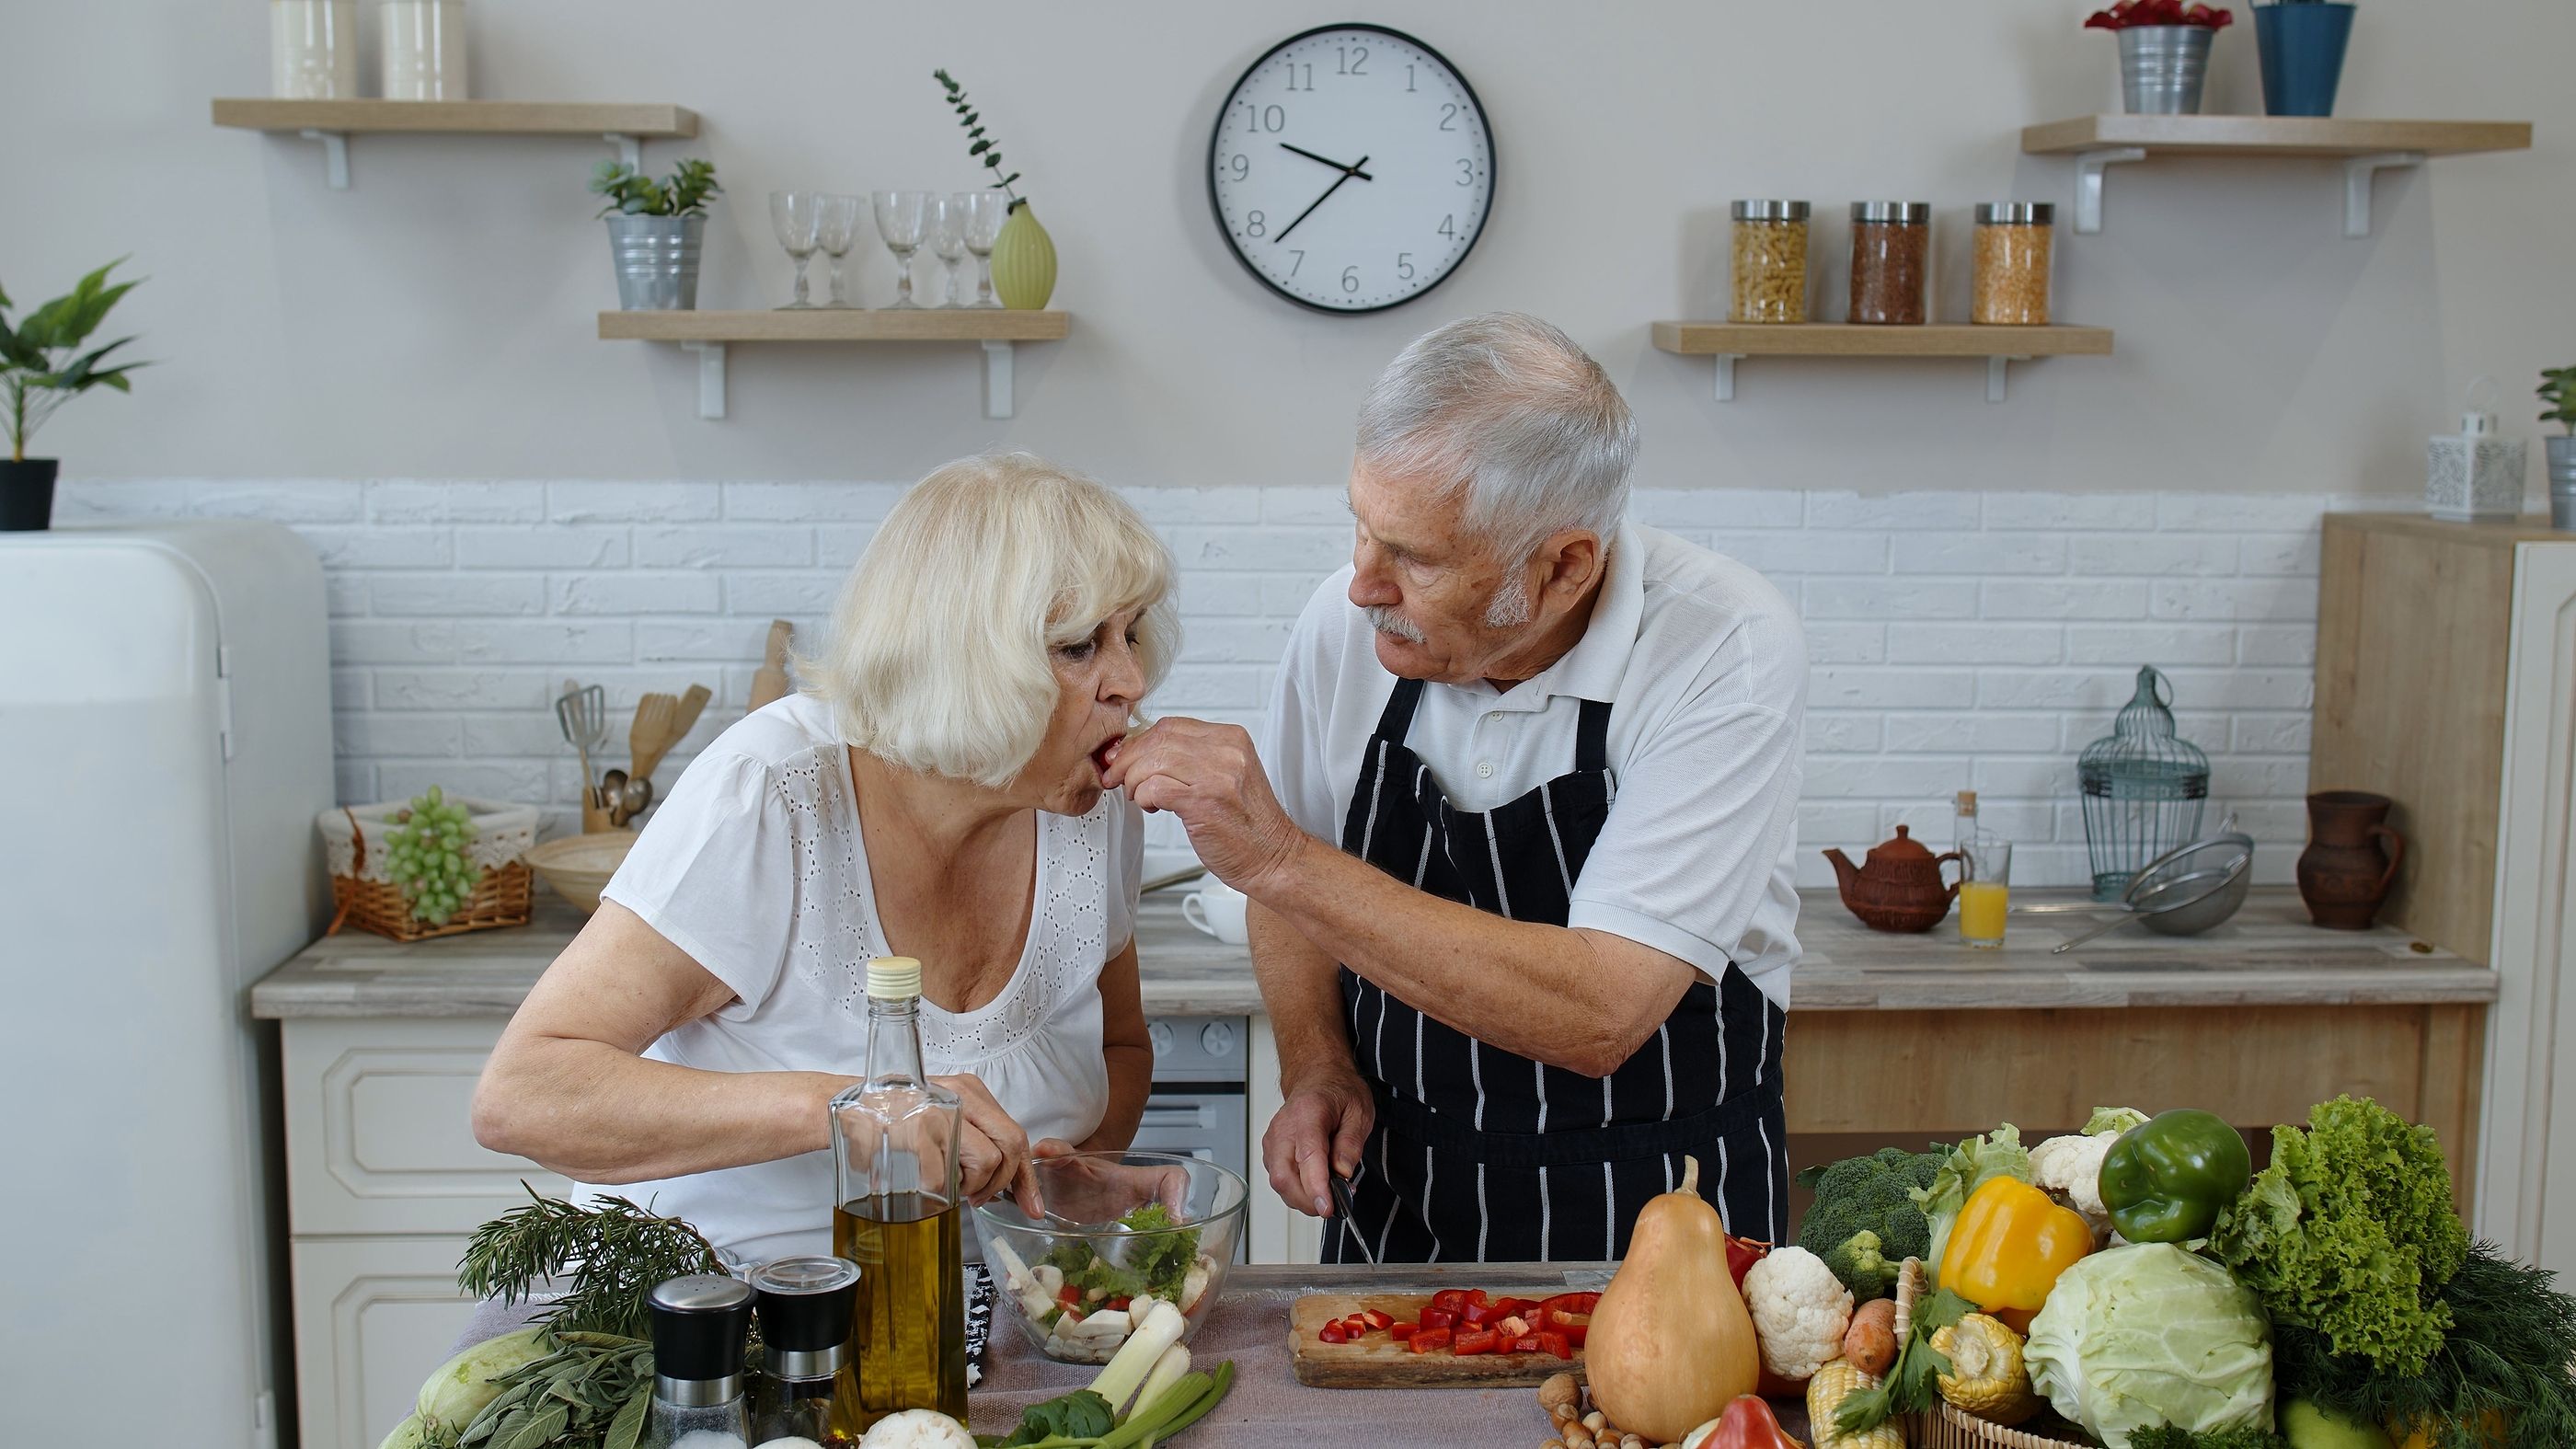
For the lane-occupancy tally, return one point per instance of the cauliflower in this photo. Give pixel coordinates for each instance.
(1800, 1311)
(2073, 1166)
(918, 1429)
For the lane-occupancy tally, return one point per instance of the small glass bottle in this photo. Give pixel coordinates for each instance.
(701, 1324)
(2010, 275)
(897, 1213)
(1769, 271)
(805, 1307)
(1891, 257)
(1964, 829)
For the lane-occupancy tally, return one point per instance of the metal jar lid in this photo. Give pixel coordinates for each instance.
(1902, 213)
(1770, 211)
(2015, 213)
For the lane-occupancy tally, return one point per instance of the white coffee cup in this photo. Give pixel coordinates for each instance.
(1216, 908)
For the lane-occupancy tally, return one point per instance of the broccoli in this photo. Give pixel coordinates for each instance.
(1865, 1224)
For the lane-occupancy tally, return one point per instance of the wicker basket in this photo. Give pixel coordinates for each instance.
(365, 896)
(1946, 1427)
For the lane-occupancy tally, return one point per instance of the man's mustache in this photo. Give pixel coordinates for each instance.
(1387, 621)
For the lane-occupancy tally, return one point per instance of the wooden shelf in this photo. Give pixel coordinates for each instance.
(2366, 148)
(332, 123)
(708, 334)
(1999, 346)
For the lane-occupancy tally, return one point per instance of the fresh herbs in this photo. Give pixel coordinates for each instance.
(592, 1393)
(2557, 388)
(2166, 1436)
(1082, 1419)
(1913, 1385)
(1081, 1414)
(630, 192)
(1157, 1262)
(2350, 1232)
(2504, 1360)
(41, 364)
(617, 1251)
(978, 144)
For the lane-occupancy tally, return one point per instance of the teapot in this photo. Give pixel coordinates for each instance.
(1899, 887)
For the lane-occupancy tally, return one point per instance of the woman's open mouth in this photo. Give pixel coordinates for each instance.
(1100, 756)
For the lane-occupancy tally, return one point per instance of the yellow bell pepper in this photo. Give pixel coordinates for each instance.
(2007, 1248)
(1987, 1377)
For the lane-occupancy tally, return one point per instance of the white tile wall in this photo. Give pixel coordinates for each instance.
(1959, 640)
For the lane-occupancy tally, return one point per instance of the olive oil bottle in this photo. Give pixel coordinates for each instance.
(896, 1213)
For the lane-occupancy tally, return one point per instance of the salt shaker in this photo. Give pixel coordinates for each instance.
(701, 1328)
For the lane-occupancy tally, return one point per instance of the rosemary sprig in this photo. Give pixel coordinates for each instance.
(980, 144)
(617, 1252)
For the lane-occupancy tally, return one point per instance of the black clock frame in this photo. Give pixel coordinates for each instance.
(1493, 170)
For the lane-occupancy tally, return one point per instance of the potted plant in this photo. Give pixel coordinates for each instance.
(1023, 255)
(41, 368)
(655, 231)
(2301, 45)
(2558, 389)
(2164, 52)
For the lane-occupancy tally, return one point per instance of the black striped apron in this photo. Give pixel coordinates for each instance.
(1482, 1155)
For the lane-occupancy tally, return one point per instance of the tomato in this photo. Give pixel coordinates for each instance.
(1556, 1344)
(1377, 1320)
(1069, 1296)
(1427, 1339)
(1439, 1317)
(1449, 1300)
(1403, 1331)
(1118, 1305)
(1474, 1341)
(1332, 1333)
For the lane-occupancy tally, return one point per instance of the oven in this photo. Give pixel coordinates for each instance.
(1198, 1105)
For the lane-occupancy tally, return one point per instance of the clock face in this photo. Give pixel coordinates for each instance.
(1351, 169)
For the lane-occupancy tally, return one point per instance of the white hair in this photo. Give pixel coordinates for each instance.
(1513, 418)
(938, 656)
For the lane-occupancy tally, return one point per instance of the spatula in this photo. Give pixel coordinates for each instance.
(662, 721)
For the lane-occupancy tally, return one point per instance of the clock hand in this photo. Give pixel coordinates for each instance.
(1336, 165)
(1348, 172)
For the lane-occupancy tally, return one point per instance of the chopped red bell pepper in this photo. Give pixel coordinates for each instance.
(1377, 1320)
(1119, 1304)
(1427, 1339)
(1403, 1331)
(1741, 1255)
(1332, 1333)
(1526, 1343)
(1474, 1341)
(1556, 1344)
(1069, 1296)
(1439, 1317)
(1514, 1326)
(1570, 1303)
(1479, 1315)
(1355, 1326)
(1449, 1300)
(1476, 1298)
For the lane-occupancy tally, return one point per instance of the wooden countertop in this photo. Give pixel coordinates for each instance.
(2268, 955)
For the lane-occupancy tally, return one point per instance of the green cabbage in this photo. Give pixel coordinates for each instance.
(2151, 1334)
(451, 1397)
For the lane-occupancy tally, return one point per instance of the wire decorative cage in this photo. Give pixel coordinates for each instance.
(2143, 787)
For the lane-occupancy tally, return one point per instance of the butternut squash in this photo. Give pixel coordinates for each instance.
(1671, 1344)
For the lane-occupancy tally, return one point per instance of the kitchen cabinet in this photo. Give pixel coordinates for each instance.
(373, 1316)
(2446, 680)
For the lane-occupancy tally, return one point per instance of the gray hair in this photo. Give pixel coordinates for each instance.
(1511, 415)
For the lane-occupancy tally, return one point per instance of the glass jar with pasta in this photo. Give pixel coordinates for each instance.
(2010, 272)
(1770, 262)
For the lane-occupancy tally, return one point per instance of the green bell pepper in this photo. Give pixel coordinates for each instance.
(2166, 1180)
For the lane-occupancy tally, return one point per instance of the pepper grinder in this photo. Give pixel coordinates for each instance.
(805, 1307)
(701, 1324)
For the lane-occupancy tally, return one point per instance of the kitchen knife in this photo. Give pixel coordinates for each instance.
(1350, 1224)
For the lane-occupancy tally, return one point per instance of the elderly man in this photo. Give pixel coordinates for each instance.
(1520, 858)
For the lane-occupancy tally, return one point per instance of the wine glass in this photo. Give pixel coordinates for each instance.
(986, 210)
(948, 239)
(900, 215)
(836, 226)
(795, 215)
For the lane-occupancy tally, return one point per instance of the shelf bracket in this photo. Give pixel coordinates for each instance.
(997, 379)
(1995, 369)
(1726, 375)
(335, 155)
(2357, 174)
(2088, 183)
(711, 377)
(630, 149)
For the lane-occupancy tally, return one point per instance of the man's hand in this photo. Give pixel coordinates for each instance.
(1318, 1133)
(1208, 775)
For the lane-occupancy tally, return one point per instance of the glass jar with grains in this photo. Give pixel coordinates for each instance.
(1770, 265)
(2010, 273)
(1891, 253)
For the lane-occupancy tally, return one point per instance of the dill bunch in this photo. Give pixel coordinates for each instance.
(617, 1252)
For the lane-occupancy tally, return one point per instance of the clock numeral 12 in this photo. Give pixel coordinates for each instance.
(1354, 59)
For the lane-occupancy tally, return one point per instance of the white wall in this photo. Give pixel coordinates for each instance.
(437, 321)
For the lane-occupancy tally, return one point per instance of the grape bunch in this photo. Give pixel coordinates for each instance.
(425, 853)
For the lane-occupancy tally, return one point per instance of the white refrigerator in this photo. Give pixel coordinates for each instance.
(165, 743)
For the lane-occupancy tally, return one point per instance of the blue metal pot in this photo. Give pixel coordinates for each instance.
(2302, 43)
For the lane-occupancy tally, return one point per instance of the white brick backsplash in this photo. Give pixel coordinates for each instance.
(1957, 640)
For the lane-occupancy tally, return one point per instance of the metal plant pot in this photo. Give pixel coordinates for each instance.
(2562, 483)
(26, 495)
(657, 261)
(2163, 67)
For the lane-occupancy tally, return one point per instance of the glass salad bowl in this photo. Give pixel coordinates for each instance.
(1116, 1233)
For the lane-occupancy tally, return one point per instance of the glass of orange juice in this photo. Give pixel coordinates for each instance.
(1985, 892)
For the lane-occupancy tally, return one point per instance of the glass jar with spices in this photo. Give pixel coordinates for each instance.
(1891, 253)
(2010, 273)
(1770, 262)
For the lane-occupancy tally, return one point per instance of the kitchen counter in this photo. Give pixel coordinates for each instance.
(2268, 956)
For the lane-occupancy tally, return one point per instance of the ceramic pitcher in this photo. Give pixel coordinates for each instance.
(2351, 859)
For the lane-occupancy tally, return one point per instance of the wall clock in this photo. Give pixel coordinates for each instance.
(1351, 169)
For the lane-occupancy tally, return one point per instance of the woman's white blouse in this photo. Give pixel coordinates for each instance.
(755, 867)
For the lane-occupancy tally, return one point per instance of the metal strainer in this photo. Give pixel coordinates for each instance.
(2182, 892)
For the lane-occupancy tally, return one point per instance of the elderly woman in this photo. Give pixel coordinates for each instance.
(935, 792)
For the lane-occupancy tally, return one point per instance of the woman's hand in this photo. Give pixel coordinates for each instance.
(1102, 1190)
(993, 1152)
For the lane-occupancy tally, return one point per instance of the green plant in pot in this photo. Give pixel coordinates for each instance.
(42, 367)
(656, 231)
(2558, 390)
(1023, 255)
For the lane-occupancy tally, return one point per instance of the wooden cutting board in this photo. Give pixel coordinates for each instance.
(1379, 1362)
